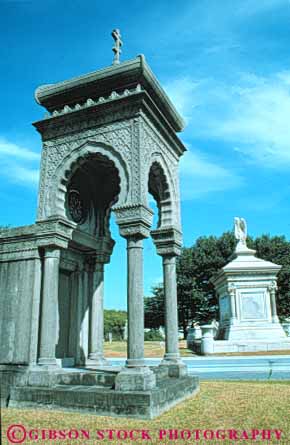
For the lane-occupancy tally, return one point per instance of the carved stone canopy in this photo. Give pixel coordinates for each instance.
(118, 78)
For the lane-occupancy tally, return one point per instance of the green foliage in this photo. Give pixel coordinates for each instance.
(197, 299)
(114, 322)
(277, 250)
(154, 308)
(153, 335)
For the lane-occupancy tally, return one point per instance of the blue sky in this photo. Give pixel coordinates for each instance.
(224, 63)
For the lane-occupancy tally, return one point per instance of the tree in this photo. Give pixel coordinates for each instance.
(277, 250)
(197, 299)
(154, 309)
(114, 322)
(207, 256)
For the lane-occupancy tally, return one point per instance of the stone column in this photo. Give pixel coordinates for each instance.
(272, 291)
(135, 376)
(232, 292)
(168, 242)
(135, 299)
(49, 308)
(171, 357)
(134, 223)
(96, 319)
(171, 321)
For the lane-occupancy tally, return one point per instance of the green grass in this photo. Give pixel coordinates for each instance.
(219, 405)
(154, 349)
(151, 349)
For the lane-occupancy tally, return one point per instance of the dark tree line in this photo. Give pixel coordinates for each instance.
(197, 299)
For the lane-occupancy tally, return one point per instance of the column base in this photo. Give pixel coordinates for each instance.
(175, 366)
(135, 379)
(49, 362)
(96, 361)
(135, 363)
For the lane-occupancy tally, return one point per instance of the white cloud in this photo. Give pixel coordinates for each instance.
(251, 116)
(9, 149)
(18, 164)
(199, 176)
(23, 175)
(185, 94)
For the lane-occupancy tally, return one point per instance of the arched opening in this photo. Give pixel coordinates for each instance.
(158, 187)
(160, 202)
(92, 190)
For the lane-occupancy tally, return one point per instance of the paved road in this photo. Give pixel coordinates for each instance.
(271, 367)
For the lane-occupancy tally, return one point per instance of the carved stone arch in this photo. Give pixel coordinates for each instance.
(161, 187)
(69, 164)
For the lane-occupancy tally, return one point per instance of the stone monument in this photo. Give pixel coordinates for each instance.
(246, 288)
(109, 138)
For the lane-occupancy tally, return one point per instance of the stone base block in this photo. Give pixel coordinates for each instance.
(48, 378)
(174, 368)
(135, 379)
(96, 363)
(106, 401)
(265, 332)
(10, 375)
(223, 346)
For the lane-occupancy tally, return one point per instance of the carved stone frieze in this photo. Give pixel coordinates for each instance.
(82, 121)
(136, 164)
(154, 148)
(117, 135)
(95, 102)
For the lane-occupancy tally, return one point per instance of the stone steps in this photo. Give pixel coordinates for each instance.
(104, 401)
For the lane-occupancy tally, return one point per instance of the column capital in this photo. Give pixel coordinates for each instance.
(232, 289)
(101, 254)
(168, 241)
(52, 252)
(272, 287)
(105, 246)
(134, 220)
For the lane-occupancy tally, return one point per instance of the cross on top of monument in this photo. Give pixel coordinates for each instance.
(117, 48)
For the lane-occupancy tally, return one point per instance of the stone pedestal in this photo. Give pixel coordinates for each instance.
(135, 379)
(248, 317)
(207, 340)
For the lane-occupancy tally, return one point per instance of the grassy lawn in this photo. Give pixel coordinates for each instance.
(151, 349)
(156, 349)
(219, 405)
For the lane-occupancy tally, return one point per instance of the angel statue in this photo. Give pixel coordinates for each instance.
(240, 230)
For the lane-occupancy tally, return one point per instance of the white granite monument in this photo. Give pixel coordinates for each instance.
(248, 319)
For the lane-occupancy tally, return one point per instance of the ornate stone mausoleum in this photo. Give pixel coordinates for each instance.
(109, 138)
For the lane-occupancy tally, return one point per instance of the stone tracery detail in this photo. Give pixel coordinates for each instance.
(117, 135)
(77, 208)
